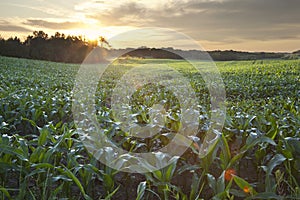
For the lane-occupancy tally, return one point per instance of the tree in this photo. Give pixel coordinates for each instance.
(58, 47)
(40, 34)
(103, 41)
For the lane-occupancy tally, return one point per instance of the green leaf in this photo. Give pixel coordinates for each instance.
(170, 171)
(141, 190)
(195, 187)
(237, 193)
(262, 139)
(267, 195)
(13, 151)
(37, 154)
(36, 171)
(5, 192)
(30, 121)
(24, 147)
(275, 161)
(44, 132)
(212, 182)
(221, 183)
(243, 184)
(158, 174)
(61, 177)
(42, 165)
(294, 144)
(57, 190)
(76, 181)
(273, 131)
(108, 182)
(250, 145)
(109, 196)
(225, 154)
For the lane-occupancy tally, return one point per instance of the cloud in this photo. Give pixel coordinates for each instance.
(227, 20)
(54, 25)
(217, 22)
(129, 13)
(7, 27)
(13, 28)
(39, 8)
(251, 13)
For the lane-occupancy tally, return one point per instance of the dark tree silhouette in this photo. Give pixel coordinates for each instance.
(58, 48)
(103, 41)
(74, 49)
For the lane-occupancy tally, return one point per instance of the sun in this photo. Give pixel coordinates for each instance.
(91, 34)
(88, 34)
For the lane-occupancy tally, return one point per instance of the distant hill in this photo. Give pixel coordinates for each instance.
(297, 52)
(292, 56)
(170, 53)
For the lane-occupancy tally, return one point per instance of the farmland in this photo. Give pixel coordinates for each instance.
(257, 156)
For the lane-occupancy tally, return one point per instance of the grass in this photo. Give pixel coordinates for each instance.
(256, 157)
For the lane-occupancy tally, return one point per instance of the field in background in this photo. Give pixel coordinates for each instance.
(41, 156)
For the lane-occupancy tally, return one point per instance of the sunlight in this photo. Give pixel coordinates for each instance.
(88, 34)
(91, 34)
(91, 29)
(94, 31)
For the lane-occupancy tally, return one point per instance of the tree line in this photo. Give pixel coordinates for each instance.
(217, 55)
(74, 49)
(57, 48)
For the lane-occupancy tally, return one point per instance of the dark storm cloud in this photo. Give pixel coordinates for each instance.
(6, 26)
(226, 20)
(54, 25)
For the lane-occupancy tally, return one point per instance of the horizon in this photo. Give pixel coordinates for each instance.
(142, 47)
(155, 47)
(248, 26)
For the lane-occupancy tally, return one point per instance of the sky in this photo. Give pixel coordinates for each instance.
(245, 25)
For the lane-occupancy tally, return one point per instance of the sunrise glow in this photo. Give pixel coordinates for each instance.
(213, 24)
